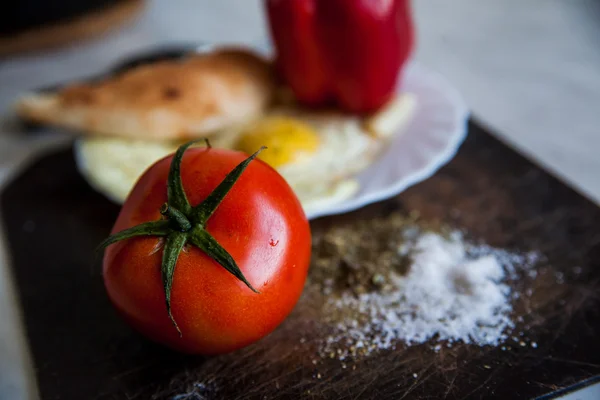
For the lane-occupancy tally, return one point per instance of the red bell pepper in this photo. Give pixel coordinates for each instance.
(349, 52)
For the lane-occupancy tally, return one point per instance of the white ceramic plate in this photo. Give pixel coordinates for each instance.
(431, 139)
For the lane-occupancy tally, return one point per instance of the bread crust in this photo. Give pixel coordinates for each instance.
(166, 100)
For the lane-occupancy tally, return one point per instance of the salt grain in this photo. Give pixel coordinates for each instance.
(453, 292)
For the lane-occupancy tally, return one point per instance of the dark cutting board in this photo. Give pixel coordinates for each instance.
(82, 350)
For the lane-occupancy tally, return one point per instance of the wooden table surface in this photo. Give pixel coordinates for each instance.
(81, 349)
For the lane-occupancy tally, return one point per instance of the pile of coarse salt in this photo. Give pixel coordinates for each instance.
(452, 292)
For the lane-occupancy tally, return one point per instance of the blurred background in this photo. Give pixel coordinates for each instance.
(530, 70)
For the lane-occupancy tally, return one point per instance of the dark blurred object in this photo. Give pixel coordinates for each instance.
(166, 52)
(28, 25)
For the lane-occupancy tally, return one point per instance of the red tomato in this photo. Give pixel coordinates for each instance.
(260, 223)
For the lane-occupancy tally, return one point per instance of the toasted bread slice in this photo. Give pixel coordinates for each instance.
(165, 100)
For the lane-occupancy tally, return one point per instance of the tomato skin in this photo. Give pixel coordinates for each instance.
(260, 223)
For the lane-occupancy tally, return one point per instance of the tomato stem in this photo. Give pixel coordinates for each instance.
(176, 216)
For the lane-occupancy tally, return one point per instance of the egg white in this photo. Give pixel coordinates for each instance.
(112, 166)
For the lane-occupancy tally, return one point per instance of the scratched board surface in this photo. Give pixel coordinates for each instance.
(81, 349)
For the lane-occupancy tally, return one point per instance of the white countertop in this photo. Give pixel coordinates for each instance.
(530, 70)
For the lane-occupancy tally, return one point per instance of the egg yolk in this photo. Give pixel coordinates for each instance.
(287, 139)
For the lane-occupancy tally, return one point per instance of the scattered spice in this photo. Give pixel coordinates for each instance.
(394, 280)
(360, 259)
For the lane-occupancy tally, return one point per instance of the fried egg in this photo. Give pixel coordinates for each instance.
(318, 153)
